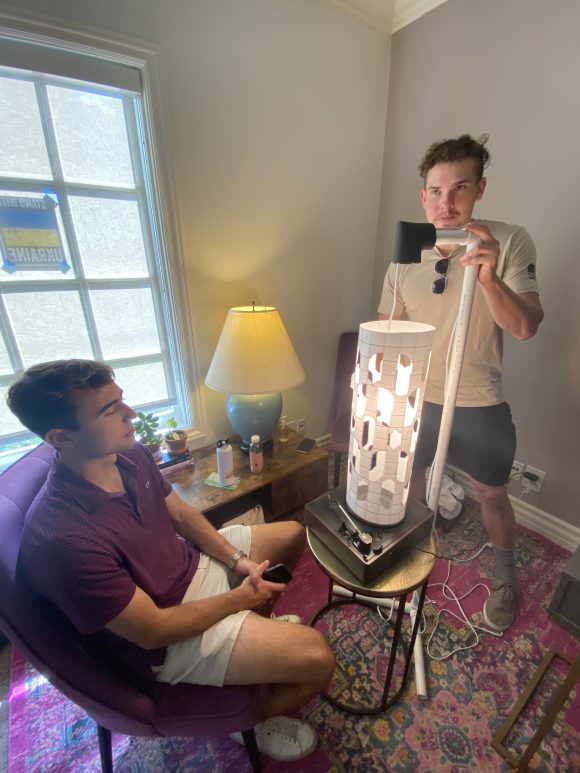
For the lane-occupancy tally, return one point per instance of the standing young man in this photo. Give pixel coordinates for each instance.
(483, 440)
(143, 574)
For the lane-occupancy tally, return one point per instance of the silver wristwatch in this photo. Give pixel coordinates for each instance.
(235, 558)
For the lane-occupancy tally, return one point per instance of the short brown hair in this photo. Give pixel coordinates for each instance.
(41, 397)
(456, 150)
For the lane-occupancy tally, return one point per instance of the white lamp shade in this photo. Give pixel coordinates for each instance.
(388, 386)
(254, 354)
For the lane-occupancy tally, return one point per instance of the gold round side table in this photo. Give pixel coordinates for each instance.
(409, 574)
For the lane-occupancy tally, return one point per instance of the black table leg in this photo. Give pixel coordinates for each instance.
(385, 702)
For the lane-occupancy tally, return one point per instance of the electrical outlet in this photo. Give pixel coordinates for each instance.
(291, 424)
(300, 426)
(533, 485)
(517, 470)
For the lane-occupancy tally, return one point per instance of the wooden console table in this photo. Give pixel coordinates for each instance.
(289, 480)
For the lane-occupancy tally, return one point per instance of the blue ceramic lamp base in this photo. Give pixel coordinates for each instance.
(254, 415)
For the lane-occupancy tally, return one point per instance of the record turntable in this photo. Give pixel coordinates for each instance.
(367, 550)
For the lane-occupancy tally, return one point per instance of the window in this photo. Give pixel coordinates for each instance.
(76, 194)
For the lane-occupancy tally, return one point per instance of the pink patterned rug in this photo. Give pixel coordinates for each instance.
(469, 694)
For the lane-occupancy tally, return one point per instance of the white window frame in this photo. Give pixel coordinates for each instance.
(88, 57)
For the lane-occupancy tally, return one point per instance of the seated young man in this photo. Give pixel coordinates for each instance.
(143, 574)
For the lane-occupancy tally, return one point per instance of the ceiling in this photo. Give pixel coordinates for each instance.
(388, 15)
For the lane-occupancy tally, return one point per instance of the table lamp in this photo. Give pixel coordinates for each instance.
(388, 385)
(254, 362)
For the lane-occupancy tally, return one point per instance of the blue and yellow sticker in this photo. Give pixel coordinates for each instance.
(29, 235)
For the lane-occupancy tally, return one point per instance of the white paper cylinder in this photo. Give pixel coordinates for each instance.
(388, 387)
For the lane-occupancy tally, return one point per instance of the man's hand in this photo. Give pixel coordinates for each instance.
(256, 591)
(244, 566)
(519, 314)
(485, 255)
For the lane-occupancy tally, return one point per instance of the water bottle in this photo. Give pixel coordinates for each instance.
(282, 430)
(256, 454)
(225, 462)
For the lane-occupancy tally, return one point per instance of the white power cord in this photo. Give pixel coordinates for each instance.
(397, 266)
(449, 593)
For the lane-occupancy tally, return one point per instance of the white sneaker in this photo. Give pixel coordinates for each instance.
(288, 619)
(283, 738)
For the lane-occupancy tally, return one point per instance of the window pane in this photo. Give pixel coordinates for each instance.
(5, 366)
(91, 136)
(126, 322)
(28, 276)
(48, 326)
(142, 384)
(109, 237)
(8, 420)
(21, 136)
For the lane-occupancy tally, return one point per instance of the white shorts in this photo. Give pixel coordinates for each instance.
(204, 658)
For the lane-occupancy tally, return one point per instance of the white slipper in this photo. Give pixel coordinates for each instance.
(283, 738)
(288, 619)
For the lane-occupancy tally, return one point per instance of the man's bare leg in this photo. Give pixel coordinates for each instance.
(282, 542)
(295, 660)
(499, 611)
(497, 514)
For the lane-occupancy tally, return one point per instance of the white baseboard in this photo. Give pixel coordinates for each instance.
(555, 529)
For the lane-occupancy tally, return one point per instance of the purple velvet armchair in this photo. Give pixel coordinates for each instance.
(46, 638)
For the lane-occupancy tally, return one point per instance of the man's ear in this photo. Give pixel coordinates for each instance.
(423, 195)
(481, 185)
(61, 438)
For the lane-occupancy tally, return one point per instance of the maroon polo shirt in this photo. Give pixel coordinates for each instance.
(87, 550)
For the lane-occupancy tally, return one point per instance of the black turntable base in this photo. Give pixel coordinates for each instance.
(366, 558)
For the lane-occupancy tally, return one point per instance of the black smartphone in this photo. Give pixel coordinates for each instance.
(306, 445)
(277, 573)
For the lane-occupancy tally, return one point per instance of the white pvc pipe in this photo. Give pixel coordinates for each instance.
(456, 362)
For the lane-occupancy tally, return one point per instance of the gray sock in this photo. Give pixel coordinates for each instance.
(505, 564)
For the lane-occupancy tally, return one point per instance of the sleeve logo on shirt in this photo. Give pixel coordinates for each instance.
(532, 271)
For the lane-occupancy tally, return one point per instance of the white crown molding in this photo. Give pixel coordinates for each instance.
(378, 13)
(407, 11)
(388, 15)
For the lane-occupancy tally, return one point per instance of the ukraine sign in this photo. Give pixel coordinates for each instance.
(29, 235)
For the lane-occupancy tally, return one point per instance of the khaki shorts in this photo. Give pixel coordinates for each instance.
(204, 658)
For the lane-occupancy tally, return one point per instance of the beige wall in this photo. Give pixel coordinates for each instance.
(510, 68)
(275, 126)
(276, 123)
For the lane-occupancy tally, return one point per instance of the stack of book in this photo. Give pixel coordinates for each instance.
(168, 463)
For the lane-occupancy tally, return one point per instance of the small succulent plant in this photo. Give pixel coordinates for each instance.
(146, 426)
(174, 433)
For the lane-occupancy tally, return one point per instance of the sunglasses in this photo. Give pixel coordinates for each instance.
(439, 285)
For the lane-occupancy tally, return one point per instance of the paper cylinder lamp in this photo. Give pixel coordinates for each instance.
(388, 387)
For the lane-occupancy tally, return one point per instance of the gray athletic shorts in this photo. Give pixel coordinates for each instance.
(483, 441)
(204, 658)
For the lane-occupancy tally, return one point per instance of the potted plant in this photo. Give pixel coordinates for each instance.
(145, 427)
(176, 439)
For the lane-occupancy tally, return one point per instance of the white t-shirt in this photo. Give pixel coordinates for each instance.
(480, 383)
